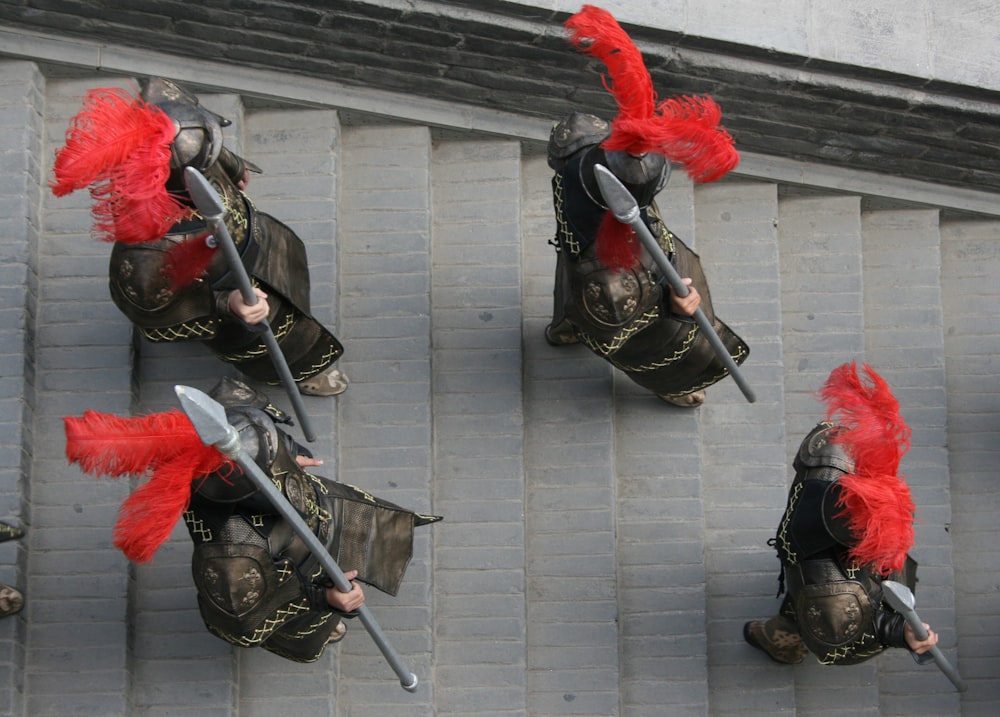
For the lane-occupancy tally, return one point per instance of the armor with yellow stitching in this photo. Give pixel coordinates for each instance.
(623, 315)
(274, 256)
(258, 584)
(835, 606)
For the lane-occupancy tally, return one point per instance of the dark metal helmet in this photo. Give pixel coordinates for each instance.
(577, 131)
(198, 141)
(643, 175)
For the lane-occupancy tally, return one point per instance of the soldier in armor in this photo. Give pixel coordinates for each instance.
(165, 274)
(609, 293)
(257, 582)
(11, 599)
(847, 526)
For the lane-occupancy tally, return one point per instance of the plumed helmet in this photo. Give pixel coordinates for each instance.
(198, 141)
(577, 131)
(643, 175)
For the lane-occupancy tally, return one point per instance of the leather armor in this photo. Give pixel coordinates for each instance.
(624, 316)
(836, 605)
(257, 581)
(272, 254)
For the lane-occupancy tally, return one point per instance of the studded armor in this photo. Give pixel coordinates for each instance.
(257, 582)
(837, 605)
(140, 276)
(624, 316)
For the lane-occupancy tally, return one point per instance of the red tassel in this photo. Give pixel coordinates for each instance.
(683, 129)
(616, 245)
(163, 446)
(188, 261)
(119, 146)
(875, 500)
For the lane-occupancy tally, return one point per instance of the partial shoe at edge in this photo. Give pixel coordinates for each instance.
(330, 382)
(690, 400)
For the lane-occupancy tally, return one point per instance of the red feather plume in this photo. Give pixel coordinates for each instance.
(683, 129)
(616, 245)
(188, 260)
(875, 500)
(120, 147)
(163, 447)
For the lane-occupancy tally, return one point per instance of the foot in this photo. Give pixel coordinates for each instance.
(778, 638)
(11, 601)
(338, 633)
(561, 335)
(330, 382)
(688, 400)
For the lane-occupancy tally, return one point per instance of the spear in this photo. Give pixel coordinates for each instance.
(207, 200)
(901, 599)
(209, 420)
(626, 210)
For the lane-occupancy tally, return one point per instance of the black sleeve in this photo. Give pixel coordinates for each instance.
(836, 523)
(233, 165)
(890, 627)
(294, 447)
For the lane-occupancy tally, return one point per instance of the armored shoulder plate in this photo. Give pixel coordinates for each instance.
(817, 450)
(141, 287)
(232, 393)
(260, 441)
(574, 133)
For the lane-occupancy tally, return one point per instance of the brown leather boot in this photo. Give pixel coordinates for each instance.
(778, 637)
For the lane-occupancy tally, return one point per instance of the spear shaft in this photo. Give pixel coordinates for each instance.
(206, 199)
(626, 210)
(901, 599)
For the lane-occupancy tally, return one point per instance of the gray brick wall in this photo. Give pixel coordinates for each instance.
(476, 342)
(969, 268)
(21, 100)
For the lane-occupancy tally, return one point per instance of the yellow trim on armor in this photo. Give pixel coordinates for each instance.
(563, 232)
(260, 349)
(197, 526)
(272, 623)
(793, 499)
(284, 572)
(182, 332)
(324, 361)
(846, 651)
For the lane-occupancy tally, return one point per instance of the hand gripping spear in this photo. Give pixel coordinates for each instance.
(626, 210)
(209, 420)
(901, 599)
(206, 199)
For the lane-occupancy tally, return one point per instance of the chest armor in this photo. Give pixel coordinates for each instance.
(612, 298)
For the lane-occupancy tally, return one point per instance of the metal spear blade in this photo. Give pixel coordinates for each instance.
(209, 419)
(619, 200)
(899, 597)
(203, 195)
